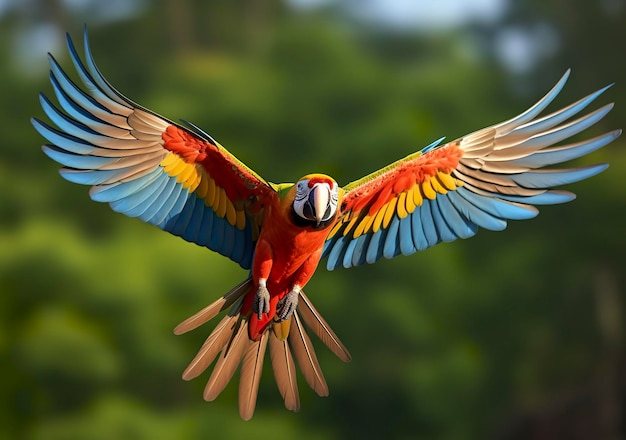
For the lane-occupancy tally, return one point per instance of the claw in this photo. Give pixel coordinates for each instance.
(287, 305)
(261, 301)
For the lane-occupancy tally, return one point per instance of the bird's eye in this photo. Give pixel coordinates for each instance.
(301, 191)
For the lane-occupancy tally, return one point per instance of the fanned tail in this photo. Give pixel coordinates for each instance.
(288, 340)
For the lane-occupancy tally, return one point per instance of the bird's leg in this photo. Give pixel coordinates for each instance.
(261, 299)
(288, 304)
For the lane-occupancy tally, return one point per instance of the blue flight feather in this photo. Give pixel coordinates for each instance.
(217, 237)
(391, 246)
(474, 214)
(547, 198)
(147, 198)
(128, 204)
(76, 161)
(548, 178)
(74, 110)
(66, 124)
(96, 177)
(70, 143)
(86, 78)
(228, 238)
(496, 207)
(348, 253)
(562, 115)
(444, 233)
(102, 83)
(333, 250)
(195, 222)
(239, 244)
(407, 247)
(158, 201)
(419, 236)
(375, 248)
(568, 130)
(178, 224)
(427, 222)
(177, 207)
(121, 190)
(536, 109)
(74, 92)
(458, 224)
(550, 156)
(360, 251)
(161, 214)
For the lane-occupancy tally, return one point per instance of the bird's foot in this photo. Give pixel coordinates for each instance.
(261, 300)
(287, 305)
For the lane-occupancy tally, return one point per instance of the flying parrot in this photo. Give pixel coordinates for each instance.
(180, 179)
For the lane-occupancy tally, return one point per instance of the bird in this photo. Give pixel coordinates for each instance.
(179, 178)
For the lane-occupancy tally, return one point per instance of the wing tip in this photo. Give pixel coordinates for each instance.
(615, 134)
(588, 171)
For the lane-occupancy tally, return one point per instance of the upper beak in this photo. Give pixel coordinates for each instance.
(319, 198)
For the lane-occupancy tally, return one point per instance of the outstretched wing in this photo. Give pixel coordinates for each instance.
(179, 179)
(445, 192)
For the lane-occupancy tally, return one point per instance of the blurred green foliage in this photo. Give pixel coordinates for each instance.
(507, 335)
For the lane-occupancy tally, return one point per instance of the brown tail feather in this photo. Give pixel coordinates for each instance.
(211, 347)
(305, 355)
(320, 327)
(284, 372)
(227, 363)
(251, 369)
(210, 311)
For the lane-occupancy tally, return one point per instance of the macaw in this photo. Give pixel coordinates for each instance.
(179, 178)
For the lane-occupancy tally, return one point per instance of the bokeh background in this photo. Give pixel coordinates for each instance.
(510, 335)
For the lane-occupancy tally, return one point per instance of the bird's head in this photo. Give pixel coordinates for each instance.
(316, 199)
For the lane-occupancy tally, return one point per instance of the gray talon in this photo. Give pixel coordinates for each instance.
(261, 301)
(287, 305)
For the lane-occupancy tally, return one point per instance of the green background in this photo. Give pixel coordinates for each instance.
(516, 334)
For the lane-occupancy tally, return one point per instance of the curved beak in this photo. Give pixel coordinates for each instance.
(319, 197)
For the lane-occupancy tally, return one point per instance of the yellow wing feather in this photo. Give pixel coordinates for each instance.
(410, 200)
(219, 205)
(401, 206)
(378, 218)
(417, 196)
(427, 190)
(211, 193)
(447, 181)
(437, 186)
(389, 212)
